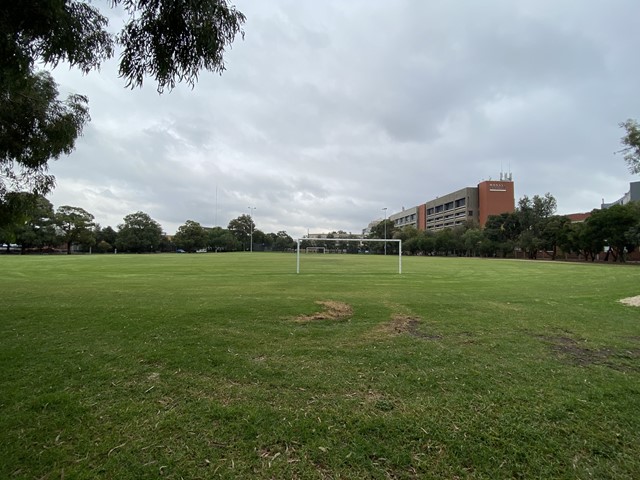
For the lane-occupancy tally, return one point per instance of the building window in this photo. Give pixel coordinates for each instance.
(471, 213)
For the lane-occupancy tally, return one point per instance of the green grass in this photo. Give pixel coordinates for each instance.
(194, 366)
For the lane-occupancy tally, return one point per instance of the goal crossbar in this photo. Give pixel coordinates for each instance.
(361, 240)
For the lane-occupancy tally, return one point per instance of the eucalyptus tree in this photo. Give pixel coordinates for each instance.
(75, 225)
(191, 236)
(139, 233)
(38, 231)
(242, 227)
(169, 41)
(631, 143)
(614, 228)
(533, 214)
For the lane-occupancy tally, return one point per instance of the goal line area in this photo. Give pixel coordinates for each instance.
(367, 240)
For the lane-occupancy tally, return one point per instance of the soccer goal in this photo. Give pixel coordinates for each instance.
(315, 250)
(350, 240)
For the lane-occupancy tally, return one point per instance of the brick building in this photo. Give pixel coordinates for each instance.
(475, 204)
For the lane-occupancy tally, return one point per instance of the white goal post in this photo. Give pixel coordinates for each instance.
(361, 240)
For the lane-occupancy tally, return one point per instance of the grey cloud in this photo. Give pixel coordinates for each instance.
(330, 111)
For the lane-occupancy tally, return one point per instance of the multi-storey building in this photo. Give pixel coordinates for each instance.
(495, 197)
(633, 195)
(475, 204)
(406, 217)
(451, 209)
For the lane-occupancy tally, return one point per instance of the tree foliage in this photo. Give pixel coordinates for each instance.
(631, 142)
(283, 241)
(613, 227)
(533, 214)
(191, 236)
(35, 126)
(221, 239)
(382, 228)
(241, 227)
(13, 213)
(16, 212)
(555, 234)
(170, 41)
(38, 231)
(174, 40)
(76, 224)
(139, 233)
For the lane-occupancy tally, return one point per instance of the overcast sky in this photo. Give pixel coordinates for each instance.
(330, 111)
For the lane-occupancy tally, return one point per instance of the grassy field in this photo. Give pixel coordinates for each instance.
(226, 366)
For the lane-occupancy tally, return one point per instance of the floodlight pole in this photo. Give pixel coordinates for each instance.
(385, 230)
(251, 227)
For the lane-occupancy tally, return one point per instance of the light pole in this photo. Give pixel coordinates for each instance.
(251, 209)
(385, 230)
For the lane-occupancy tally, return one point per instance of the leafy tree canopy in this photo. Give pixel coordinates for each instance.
(107, 235)
(191, 236)
(283, 241)
(242, 227)
(533, 211)
(631, 142)
(75, 224)
(383, 229)
(139, 233)
(39, 230)
(612, 227)
(170, 41)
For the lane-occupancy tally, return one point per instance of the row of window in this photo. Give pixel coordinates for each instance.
(404, 220)
(461, 202)
(451, 215)
(440, 226)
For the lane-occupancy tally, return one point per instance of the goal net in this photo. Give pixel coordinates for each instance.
(315, 250)
(365, 240)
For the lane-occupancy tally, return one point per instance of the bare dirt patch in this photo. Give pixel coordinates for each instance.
(332, 311)
(631, 301)
(402, 324)
(577, 353)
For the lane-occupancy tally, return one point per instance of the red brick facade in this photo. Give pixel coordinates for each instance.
(422, 217)
(495, 197)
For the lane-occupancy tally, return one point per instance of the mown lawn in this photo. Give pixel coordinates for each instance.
(224, 366)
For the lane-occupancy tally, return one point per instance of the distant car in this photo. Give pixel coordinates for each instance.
(12, 247)
(180, 251)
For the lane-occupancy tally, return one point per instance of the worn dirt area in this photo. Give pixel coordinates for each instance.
(332, 311)
(631, 301)
(405, 324)
(578, 353)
